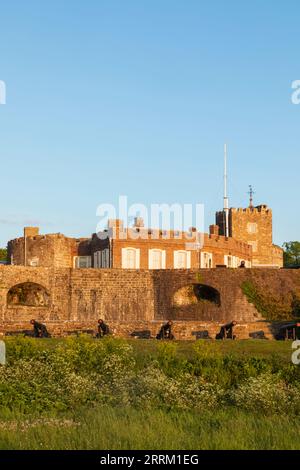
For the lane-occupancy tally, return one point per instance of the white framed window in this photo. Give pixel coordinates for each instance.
(82, 261)
(182, 259)
(251, 227)
(206, 260)
(130, 258)
(157, 259)
(231, 261)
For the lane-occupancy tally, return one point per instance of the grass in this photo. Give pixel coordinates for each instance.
(241, 348)
(144, 348)
(99, 425)
(119, 429)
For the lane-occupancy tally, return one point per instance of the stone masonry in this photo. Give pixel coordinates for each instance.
(69, 299)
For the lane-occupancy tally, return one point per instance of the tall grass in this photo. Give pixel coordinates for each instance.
(117, 428)
(81, 393)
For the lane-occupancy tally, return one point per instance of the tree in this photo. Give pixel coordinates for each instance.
(3, 254)
(291, 253)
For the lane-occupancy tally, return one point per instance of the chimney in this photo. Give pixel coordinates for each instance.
(138, 222)
(115, 223)
(214, 230)
(115, 226)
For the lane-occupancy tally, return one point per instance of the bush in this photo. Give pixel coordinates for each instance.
(83, 371)
(267, 393)
(44, 384)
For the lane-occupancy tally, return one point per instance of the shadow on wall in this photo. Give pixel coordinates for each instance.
(196, 302)
(28, 294)
(195, 293)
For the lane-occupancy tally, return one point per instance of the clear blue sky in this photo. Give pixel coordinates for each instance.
(137, 97)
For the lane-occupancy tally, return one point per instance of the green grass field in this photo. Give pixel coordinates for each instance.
(80, 393)
(114, 428)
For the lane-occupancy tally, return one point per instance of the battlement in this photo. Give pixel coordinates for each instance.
(253, 225)
(261, 209)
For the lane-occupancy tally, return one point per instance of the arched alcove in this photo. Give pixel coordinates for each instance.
(195, 293)
(28, 294)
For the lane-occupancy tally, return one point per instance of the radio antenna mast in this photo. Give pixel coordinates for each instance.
(251, 192)
(226, 202)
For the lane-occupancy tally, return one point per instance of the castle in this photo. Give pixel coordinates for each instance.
(248, 242)
(137, 277)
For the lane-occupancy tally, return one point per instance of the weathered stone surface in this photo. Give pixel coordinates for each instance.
(68, 299)
(183, 330)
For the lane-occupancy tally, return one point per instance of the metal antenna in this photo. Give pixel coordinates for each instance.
(226, 203)
(251, 192)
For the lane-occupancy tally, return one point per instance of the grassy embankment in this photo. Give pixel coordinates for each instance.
(80, 393)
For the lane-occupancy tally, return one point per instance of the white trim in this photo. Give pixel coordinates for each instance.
(150, 258)
(203, 261)
(136, 258)
(234, 261)
(187, 259)
(77, 260)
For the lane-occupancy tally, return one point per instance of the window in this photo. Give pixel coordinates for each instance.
(96, 259)
(206, 260)
(130, 258)
(182, 259)
(101, 259)
(254, 246)
(231, 261)
(157, 259)
(82, 261)
(228, 261)
(251, 227)
(105, 258)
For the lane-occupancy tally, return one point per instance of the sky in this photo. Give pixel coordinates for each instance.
(134, 97)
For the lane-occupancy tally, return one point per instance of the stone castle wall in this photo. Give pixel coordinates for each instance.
(67, 299)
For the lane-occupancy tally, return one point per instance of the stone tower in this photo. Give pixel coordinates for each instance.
(253, 225)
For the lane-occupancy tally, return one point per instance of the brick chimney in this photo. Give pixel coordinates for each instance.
(138, 222)
(214, 229)
(116, 227)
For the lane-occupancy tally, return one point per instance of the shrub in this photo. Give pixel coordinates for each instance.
(267, 393)
(43, 385)
(271, 307)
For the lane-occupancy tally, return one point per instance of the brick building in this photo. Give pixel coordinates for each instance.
(142, 248)
(253, 226)
(138, 247)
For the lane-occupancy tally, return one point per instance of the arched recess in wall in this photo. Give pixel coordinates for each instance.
(195, 293)
(28, 294)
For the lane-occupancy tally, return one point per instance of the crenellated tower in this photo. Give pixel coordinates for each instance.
(253, 225)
